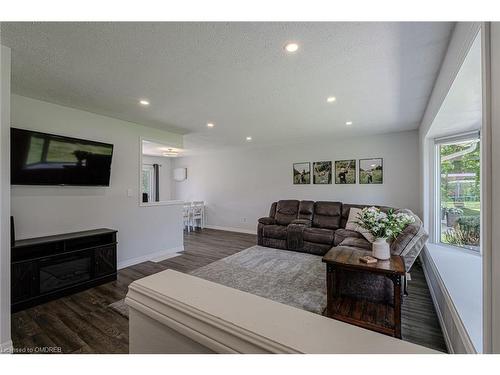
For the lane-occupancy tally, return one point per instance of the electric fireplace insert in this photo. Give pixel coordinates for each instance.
(47, 268)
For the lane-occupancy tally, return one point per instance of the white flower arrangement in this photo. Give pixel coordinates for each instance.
(383, 225)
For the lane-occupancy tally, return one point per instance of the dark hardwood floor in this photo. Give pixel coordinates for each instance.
(84, 322)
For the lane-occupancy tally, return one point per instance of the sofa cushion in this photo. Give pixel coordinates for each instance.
(286, 211)
(341, 234)
(327, 215)
(347, 207)
(360, 243)
(274, 231)
(306, 210)
(352, 224)
(319, 235)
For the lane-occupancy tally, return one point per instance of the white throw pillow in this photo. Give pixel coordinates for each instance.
(352, 225)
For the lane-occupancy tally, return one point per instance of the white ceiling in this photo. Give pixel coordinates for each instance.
(461, 110)
(235, 75)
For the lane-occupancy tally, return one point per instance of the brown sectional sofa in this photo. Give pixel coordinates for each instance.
(316, 227)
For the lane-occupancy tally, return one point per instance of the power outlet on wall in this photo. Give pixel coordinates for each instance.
(243, 219)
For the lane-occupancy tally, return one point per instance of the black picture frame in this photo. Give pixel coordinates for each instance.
(295, 176)
(376, 164)
(326, 172)
(338, 179)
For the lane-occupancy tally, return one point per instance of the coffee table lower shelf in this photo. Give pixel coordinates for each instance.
(343, 261)
(378, 317)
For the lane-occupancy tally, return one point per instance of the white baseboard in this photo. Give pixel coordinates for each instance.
(6, 347)
(153, 257)
(232, 229)
(455, 335)
(166, 256)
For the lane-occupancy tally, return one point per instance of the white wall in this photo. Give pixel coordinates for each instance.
(5, 342)
(239, 186)
(165, 177)
(143, 232)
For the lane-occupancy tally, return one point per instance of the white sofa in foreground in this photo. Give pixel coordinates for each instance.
(171, 312)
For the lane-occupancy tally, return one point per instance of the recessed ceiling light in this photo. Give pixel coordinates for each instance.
(291, 47)
(348, 123)
(210, 125)
(249, 139)
(331, 99)
(144, 102)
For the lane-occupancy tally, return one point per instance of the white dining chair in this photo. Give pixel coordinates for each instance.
(198, 213)
(187, 216)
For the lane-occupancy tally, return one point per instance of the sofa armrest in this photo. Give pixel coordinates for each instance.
(305, 222)
(409, 244)
(267, 221)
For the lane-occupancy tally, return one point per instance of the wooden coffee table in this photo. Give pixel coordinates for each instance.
(379, 317)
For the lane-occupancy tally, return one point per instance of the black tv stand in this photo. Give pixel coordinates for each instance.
(46, 268)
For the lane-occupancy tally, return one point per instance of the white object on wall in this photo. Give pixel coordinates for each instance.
(143, 232)
(180, 174)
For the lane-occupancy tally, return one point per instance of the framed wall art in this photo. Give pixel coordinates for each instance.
(302, 173)
(371, 171)
(345, 171)
(322, 172)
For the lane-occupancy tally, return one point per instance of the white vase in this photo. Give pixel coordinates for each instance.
(381, 249)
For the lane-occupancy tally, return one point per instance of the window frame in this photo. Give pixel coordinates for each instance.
(436, 186)
(172, 202)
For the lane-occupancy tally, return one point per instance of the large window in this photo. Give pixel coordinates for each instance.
(459, 192)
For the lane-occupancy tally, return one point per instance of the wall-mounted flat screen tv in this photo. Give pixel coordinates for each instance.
(49, 159)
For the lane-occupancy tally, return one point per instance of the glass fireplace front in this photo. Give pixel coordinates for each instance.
(64, 272)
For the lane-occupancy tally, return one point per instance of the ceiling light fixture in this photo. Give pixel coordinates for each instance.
(144, 102)
(249, 139)
(170, 154)
(348, 123)
(331, 99)
(210, 125)
(291, 47)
